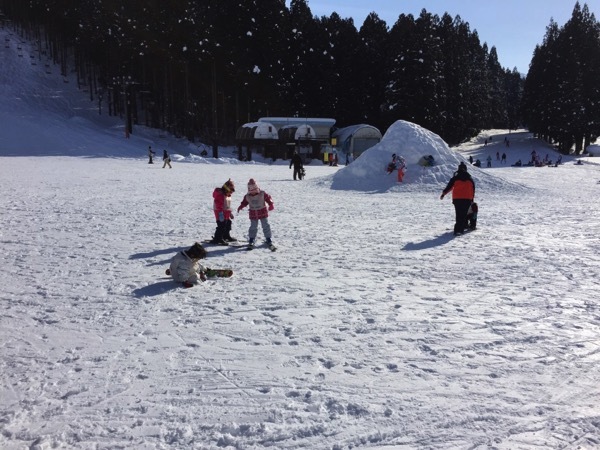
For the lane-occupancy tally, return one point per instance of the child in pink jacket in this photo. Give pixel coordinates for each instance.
(257, 200)
(223, 214)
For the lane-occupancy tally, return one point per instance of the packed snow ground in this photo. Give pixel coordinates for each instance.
(370, 327)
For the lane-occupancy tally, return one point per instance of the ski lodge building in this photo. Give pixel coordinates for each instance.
(312, 138)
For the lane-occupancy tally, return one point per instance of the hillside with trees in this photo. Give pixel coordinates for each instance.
(202, 69)
(561, 100)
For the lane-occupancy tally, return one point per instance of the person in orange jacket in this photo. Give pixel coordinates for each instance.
(463, 193)
(401, 164)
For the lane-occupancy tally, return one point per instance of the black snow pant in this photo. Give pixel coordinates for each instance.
(297, 172)
(461, 207)
(223, 230)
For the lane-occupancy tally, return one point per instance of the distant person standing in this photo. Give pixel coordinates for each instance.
(463, 193)
(489, 161)
(298, 166)
(150, 154)
(166, 159)
(503, 158)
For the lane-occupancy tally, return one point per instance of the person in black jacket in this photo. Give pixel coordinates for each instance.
(150, 154)
(298, 166)
(166, 159)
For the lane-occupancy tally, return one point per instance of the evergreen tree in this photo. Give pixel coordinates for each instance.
(561, 100)
(372, 66)
(496, 95)
(341, 87)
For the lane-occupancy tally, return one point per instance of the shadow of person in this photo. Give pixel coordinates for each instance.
(153, 290)
(429, 243)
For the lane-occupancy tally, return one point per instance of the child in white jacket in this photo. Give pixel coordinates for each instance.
(260, 203)
(186, 268)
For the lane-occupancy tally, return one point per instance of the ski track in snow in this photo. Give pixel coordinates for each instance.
(370, 327)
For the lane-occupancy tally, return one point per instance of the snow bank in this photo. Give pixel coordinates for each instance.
(411, 141)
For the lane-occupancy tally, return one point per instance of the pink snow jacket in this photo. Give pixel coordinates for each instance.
(258, 205)
(222, 204)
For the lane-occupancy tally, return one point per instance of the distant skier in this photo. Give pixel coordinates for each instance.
(186, 268)
(463, 193)
(393, 164)
(401, 168)
(257, 200)
(150, 154)
(223, 215)
(558, 161)
(398, 163)
(166, 160)
(298, 165)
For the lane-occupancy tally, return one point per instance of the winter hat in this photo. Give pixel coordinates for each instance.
(196, 251)
(229, 186)
(462, 167)
(253, 187)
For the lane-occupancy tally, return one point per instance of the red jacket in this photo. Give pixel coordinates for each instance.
(222, 203)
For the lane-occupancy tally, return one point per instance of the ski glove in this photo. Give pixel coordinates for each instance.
(271, 207)
(230, 216)
(221, 216)
(442, 197)
(239, 209)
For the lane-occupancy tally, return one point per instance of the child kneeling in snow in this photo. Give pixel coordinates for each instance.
(186, 268)
(472, 216)
(258, 200)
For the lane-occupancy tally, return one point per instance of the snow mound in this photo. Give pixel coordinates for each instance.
(412, 142)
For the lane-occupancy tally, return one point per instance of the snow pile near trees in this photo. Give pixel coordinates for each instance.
(412, 142)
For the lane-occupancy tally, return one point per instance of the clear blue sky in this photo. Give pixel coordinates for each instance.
(514, 27)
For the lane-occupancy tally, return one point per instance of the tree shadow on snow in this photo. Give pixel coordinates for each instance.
(153, 290)
(429, 243)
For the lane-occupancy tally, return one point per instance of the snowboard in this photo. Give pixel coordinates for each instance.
(212, 273)
(219, 273)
